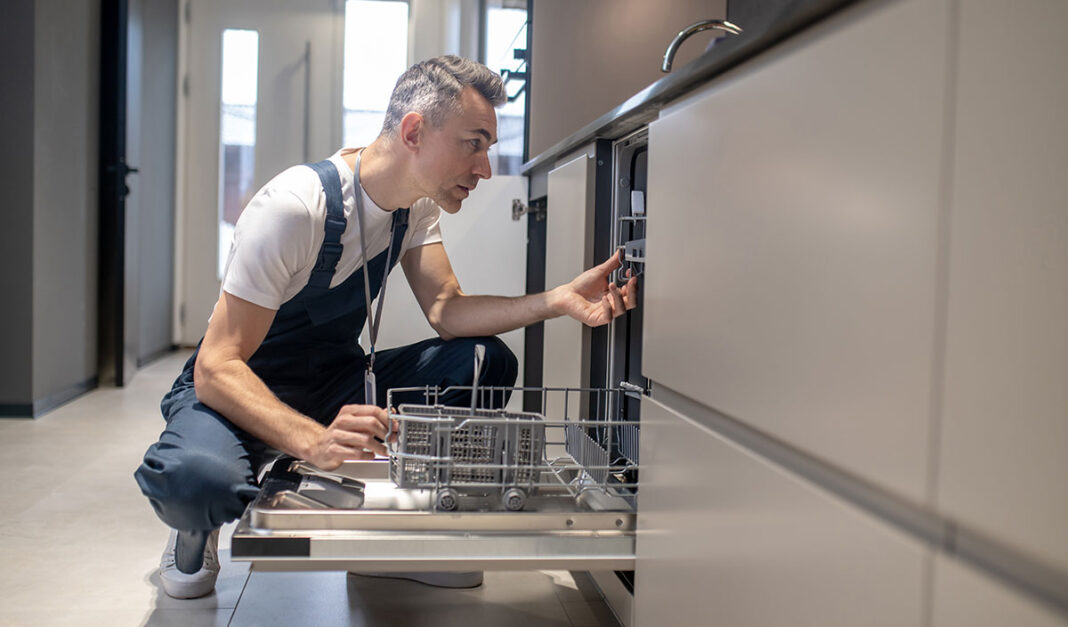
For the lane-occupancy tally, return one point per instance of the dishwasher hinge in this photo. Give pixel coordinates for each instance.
(536, 208)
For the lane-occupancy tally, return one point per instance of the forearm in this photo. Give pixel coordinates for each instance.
(232, 389)
(465, 315)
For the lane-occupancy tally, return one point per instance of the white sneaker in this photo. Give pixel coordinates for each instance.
(469, 579)
(180, 585)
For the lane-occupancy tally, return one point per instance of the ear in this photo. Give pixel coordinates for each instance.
(411, 130)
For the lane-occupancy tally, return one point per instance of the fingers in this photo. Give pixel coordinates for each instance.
(369, 415)
(361, 428)
(630, 297)
(613, 262)
(358, 443)
(615, 297)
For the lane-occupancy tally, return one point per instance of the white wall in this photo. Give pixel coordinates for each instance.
(488, 253)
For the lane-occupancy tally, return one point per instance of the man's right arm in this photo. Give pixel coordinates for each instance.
(225, 383)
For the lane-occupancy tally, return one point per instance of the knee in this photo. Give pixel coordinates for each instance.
(192, 489)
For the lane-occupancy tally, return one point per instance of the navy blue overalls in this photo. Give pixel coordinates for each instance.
(201, 473)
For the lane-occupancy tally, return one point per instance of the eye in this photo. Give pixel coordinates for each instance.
(475, 143)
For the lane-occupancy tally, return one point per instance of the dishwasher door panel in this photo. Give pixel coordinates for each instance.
(398, 530)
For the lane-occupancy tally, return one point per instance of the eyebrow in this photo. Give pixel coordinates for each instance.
(486, 134)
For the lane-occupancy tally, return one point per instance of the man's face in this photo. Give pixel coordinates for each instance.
(454, 157)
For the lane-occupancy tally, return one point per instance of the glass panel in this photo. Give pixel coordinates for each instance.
(376, 53)
(506, 29)
(237, 131)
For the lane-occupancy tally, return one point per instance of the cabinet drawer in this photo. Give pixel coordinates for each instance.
(727, 538)
(964, 597)
(1002, 459)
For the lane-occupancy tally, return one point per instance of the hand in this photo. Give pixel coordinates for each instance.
(358, 432)
(593, 299)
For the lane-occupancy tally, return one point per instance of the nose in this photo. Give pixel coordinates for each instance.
(482, 167)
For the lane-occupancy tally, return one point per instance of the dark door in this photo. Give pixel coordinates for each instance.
(139, 55)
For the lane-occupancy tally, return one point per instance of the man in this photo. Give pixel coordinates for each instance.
(280, 366)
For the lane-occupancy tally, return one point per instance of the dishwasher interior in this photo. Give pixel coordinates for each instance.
(469, 488)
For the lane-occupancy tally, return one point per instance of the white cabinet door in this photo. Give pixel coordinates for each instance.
(1003, 457)
(793, 250)
(570, 200)
(964, 597)
(726, 538)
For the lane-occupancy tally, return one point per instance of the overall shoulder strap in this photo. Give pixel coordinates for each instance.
(330, 251)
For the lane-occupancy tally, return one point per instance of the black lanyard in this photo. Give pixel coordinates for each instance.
(372, 322)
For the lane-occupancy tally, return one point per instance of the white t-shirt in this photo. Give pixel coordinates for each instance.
(277, 237)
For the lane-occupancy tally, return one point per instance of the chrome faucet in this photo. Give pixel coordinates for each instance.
(696, 27)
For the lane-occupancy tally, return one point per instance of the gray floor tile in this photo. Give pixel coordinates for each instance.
(188, 618)
(590, 614)
(471, 615)
(55, 616)
(303, 598)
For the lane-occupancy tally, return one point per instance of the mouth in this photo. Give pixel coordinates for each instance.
(466, 190)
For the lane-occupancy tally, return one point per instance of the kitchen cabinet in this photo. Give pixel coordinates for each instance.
(793, 248)
(727, 538)
(568, 237)
(1004, 433)
(965, 597)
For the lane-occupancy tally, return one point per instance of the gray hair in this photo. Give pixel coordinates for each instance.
(432, 89)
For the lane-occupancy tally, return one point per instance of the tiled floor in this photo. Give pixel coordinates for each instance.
(79, 545)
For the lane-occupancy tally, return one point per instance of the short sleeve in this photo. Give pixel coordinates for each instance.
(272, 243)
(425, 227)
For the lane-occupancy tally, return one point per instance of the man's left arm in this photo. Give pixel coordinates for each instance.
(591, 298)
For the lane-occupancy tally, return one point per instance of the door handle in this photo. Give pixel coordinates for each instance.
(122, 169)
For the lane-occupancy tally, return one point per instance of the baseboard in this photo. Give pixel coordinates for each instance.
(16, 410)
(42, 406)
(153, 356)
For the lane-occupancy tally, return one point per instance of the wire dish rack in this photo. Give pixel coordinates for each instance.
(468, 455)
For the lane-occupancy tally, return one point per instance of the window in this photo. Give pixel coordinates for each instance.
(376, 53)
(506, 30)
(237, 130)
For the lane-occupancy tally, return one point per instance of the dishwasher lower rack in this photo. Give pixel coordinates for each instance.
(468, 455)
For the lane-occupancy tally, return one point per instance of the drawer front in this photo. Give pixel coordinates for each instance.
(964, 597)
(1004, 425)
(792, 241)
(726, 538)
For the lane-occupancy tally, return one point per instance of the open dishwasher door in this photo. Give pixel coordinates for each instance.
(462, 490)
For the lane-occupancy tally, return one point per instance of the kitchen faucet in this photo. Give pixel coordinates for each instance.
(696, 27)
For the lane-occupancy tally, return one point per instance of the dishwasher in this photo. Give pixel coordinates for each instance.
(464, 488)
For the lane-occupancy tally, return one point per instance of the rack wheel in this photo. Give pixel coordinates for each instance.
(514, 499)
(447, 499)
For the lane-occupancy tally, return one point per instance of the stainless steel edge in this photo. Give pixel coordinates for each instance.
(427, 550)
(370, 520)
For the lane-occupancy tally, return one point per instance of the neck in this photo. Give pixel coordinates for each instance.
(384, 176)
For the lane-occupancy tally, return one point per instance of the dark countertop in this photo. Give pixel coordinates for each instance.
(765, 23)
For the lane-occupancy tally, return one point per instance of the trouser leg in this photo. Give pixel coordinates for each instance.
(441, 363)
(199, 475)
